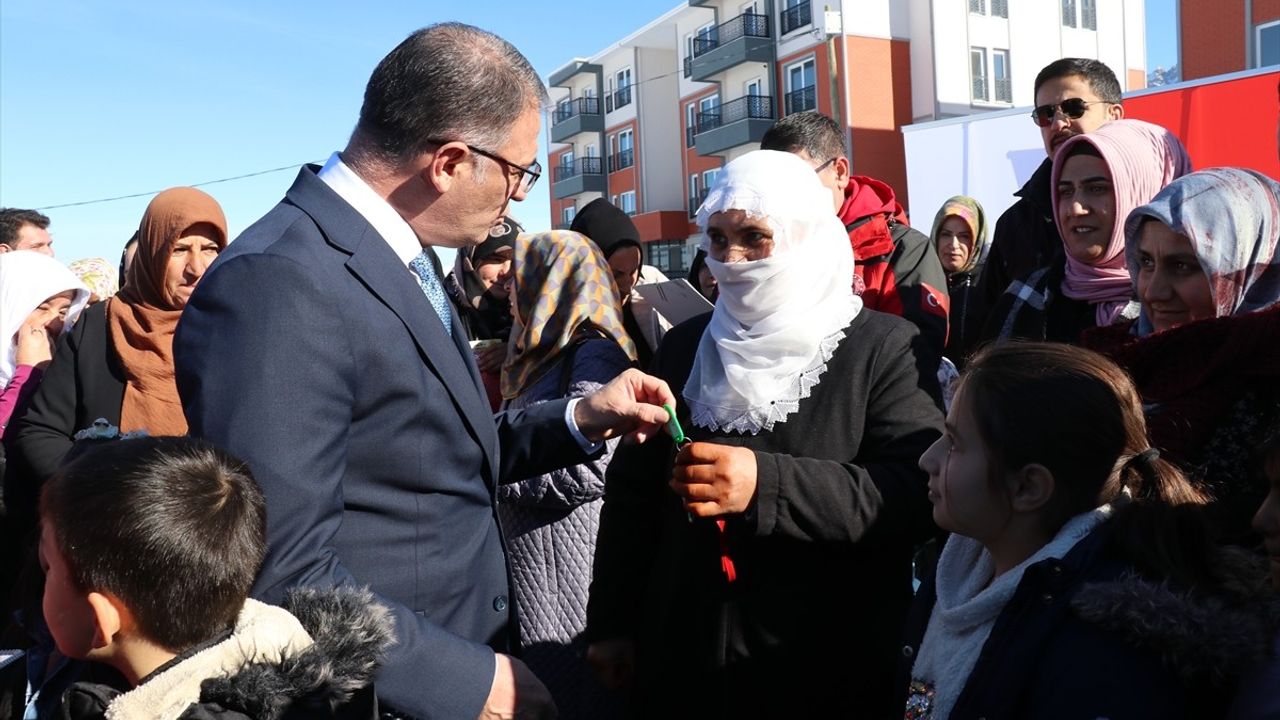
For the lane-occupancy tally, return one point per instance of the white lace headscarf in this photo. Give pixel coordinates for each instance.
(778, 320)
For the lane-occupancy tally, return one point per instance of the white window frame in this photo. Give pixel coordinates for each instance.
(624, 197)
(982, 8)
(788, 88)
(982, 53)
(758, 82)
(567, 214)
(567, 158)
(630, 136)
(1073, 21)
(709, 177)
(618, 76)
(703, 105)
(591, 151)
(1004, 52)
(1257, 41)
(749, 8)
(694, 179)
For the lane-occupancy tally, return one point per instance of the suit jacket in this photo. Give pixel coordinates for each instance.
(309, 351)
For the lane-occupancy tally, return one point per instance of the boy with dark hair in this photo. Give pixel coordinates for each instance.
(1073, 96)
(150, 547)
(896, 268)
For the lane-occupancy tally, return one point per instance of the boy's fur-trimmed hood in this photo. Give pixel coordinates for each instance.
(305, 660)
(1201, 637)
(351, 634)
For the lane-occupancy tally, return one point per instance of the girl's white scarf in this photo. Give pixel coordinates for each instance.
(968, 606)
(778, 320)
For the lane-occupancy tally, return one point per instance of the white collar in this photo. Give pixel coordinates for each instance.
(377, 211)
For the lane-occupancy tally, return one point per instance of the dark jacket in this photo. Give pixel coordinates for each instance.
(1085, 637)
(310, 352)
(810, 626)
(1026, 237)
(83, 383)
(1035, 308)
(330, 679)
(966, 317)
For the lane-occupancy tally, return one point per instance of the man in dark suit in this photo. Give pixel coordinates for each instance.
(321, 349)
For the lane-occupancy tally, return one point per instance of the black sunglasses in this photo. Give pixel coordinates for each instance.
(528, 175)
(1072, 109)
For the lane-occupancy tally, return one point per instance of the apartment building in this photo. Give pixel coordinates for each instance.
(649, 121)
(1217, 37)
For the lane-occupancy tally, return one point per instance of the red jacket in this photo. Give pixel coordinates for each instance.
(896, 268)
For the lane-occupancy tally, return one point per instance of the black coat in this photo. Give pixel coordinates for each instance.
(1085, 637)
(84, 382)
(1035, 308)
(966, 316)
(1025, 239)
(811, 626)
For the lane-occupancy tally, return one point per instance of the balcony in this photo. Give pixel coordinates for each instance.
(583, 175)
(738, 122)
(806, 98)
(617, 100)
(743, 39)
(796, 17)
(579, 116)
(622, 160)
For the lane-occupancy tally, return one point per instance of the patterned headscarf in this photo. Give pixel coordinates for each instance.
(563, 286)
(1142, 158)
(99, 275)
(969, 210)
(1232, 217)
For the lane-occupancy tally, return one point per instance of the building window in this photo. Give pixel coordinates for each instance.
(621, 97)
(1001, 79)
(978, 72)
(628, 202)
(709, 113)
(802, 87)
(1089, 14)
(1268, 44)
(695, 196)
(709, 180)
(795, 15)
(690, 124)
(1069, 13)
(566, 216)
(668, 256)
(1000, 8)
(625, 157)
(978, 7)
(566, 160)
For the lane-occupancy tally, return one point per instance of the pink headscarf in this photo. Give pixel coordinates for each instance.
(1142, 158)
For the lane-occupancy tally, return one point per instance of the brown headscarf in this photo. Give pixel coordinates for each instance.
(142, 319)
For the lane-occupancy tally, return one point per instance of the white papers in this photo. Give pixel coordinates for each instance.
(675, 300)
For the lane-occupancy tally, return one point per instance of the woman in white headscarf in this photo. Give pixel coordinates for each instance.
(39, 298)
(763, 570)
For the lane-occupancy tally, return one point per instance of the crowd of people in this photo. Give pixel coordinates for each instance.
(1026, 470)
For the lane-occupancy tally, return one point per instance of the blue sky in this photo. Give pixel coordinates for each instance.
(100, 100)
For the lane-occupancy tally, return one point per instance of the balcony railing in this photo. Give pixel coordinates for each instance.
(581, 106)
(581, 166)
(747, 107)
(745, 25)
(806, 98)
(621, 160)
(617, 100)
(980, 89)
(688, 66)
(1004, 90)
(796, 16)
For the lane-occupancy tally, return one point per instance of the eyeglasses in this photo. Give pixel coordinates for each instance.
(528, 175)
(1072, 109)
(824, 165)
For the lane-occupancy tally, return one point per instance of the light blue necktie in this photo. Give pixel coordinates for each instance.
(429, 281)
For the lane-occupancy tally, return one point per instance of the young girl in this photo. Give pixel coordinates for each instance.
(1079, 581)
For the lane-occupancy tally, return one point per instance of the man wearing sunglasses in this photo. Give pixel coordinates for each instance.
(1073, 96)
(323, 350)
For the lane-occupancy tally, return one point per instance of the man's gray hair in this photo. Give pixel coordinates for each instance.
(446, 82)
